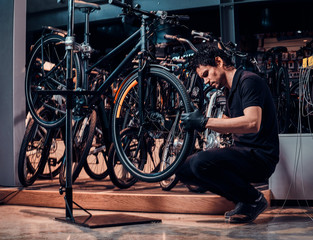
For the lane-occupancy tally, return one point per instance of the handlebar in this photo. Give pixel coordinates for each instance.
(229, 48)
(173, 37)
(170, 37)
(181, 17)
(207, 35)
(159, 14)
(128, 6)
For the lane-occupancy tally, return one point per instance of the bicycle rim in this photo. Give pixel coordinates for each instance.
(165, 99)
(56, 153)
(46, 70)
(33, 153)
(119, 175)
(96, 162)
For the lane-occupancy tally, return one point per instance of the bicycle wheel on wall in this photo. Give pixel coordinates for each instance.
(165, 99)
(46, 70)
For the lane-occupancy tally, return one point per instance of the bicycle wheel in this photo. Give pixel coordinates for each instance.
(211, 139)
(119, 175)
(97, 159)
(169, 183)
(46, 70)
(33, 153)
(165, 99)
(215, 109)
(83, 133)
(283, 100)
(56, 154)
(194, 86)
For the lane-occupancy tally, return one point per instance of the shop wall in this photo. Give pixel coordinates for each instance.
(12, 69)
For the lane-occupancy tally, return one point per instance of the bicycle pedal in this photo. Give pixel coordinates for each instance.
(52, 162)
(61, 190)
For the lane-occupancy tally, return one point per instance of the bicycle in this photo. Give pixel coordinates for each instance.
(211, 100)
(194, 86)
(153, 113)
(47, 61)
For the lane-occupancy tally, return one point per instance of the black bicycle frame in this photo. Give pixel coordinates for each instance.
(139, 48)
(119, 68)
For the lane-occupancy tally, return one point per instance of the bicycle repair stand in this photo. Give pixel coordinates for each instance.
(91, 221)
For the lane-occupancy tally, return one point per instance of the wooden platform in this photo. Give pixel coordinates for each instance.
(102, 195)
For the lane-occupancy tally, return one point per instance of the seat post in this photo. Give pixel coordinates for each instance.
(86, 46)
(86, 33)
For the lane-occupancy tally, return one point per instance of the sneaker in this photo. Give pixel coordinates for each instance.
(246, 212)
(235, 211)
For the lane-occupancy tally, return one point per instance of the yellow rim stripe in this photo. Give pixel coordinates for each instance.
(133, 84)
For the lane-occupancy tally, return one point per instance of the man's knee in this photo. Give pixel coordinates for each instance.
(202, 163)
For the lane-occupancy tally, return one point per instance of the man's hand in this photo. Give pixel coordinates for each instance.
(194, 120)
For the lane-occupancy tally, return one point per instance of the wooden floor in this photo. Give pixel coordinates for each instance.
(103, 195)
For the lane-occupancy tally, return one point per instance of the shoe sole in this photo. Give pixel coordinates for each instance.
(229, 219)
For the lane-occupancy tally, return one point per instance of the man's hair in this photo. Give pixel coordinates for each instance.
(207, 54)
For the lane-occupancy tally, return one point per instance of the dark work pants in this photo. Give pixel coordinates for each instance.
(227, 172)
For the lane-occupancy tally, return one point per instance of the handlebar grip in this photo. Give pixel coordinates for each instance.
(201, 34)
(118, 4)
(171, 37)
(183, 17)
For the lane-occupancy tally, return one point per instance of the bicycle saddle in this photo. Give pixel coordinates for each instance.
(90, 6)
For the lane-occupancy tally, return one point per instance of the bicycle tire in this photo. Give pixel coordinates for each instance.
(196, 91)
(83, 133)
(215, 109)
(49, 74)
(30, 163)
(119, 175)
(96, 165)
(169, 183)
(167, 98)
(56, 153)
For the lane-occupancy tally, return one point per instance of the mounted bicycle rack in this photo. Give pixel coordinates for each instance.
(91, 221)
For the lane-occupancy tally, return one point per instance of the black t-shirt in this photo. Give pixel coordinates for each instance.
(248, 89)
